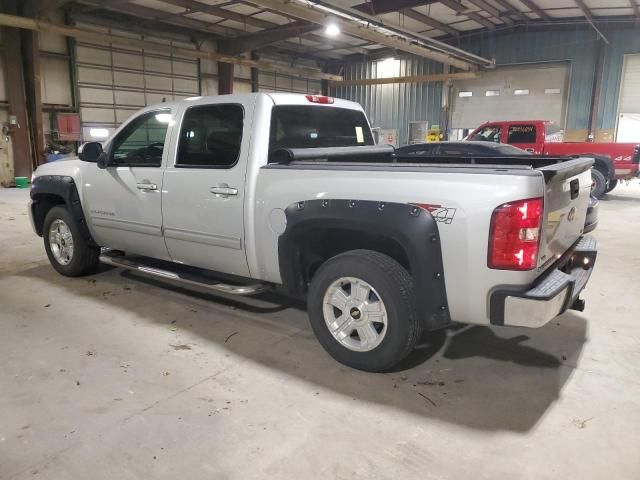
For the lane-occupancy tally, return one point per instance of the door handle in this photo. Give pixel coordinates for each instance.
(147, 187)
(223, 191)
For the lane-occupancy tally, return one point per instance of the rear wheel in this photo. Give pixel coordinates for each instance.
(612, 184)
(599, 183)
(68, 250)
(362, 310)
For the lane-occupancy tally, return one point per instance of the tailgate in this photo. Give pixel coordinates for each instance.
(567, 191)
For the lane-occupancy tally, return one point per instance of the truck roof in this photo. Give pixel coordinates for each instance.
(518, 121)
(279, 98)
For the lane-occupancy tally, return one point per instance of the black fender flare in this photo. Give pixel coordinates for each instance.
(414, 229)
(61, 186)
(603, 163)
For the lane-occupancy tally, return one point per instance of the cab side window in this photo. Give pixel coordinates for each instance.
(141, 143)
(210, 136)
(521, 134)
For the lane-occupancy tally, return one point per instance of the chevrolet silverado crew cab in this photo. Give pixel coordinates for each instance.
(241, 193)
(612, 161)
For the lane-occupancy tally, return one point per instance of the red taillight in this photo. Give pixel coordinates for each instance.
(319, 99)
(514, 235)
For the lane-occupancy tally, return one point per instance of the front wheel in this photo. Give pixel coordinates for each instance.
(68, 250)
(599, 183)
(612, 184)
(362, 310)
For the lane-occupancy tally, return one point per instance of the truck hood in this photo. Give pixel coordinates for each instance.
(67, 166)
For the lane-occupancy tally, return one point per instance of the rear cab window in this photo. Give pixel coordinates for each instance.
(521, 133)
(302, 126)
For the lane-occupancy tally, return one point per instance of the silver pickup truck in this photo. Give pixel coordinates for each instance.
(241, 193)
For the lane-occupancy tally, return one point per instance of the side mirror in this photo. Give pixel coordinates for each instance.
(89, 152)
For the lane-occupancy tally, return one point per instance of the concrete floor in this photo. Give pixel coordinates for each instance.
(117, 377)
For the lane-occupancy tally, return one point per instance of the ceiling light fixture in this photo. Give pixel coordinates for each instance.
(332, 30)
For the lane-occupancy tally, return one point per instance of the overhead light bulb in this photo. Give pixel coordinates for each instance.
(332, 30)
(98, 132)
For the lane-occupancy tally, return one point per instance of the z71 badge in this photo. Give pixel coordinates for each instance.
(439, 213)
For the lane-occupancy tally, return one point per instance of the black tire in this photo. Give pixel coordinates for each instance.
(612, 184)
(85, 257)
(599, 187)
(394, 287)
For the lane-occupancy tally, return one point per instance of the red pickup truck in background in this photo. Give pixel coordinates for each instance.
(613, 161)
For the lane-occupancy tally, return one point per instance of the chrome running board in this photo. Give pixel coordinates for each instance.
(183, 278)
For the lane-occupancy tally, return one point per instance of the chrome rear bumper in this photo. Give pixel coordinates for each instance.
(553, 293)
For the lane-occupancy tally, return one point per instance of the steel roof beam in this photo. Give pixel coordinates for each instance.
(217, 11)
(98, 36)
(589, 16)
(512, 10)
(379, 7)
(395, 36)
(536, 9)
(431, 22)
(491, 10)
(462, 10)
(269, 36)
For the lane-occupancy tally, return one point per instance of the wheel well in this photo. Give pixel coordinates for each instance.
(316, 246)
(42, 203)
(602, 163)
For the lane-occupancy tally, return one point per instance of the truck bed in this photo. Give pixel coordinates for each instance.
(383, 157)
(460, 195)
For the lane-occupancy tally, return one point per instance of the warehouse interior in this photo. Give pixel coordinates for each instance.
(116, 375)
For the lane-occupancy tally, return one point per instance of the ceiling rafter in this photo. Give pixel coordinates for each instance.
(223, 13)
(366, 27)
(430, 22)
(512, 10)
(491, 10)
(215, 10)
(530, 4)
(163, 17)
(589, 16)
(87, 34)
(380, 7)
(462, 10)
(268, 36)
(98, 4)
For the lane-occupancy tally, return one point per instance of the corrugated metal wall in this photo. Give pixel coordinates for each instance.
(388, 109)
(623, 42)
(580, 47)
(395, 105)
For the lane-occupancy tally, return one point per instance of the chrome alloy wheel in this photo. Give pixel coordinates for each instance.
(355, 314)
(61, 242)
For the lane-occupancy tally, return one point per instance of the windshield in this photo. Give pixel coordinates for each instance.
(301, 126)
